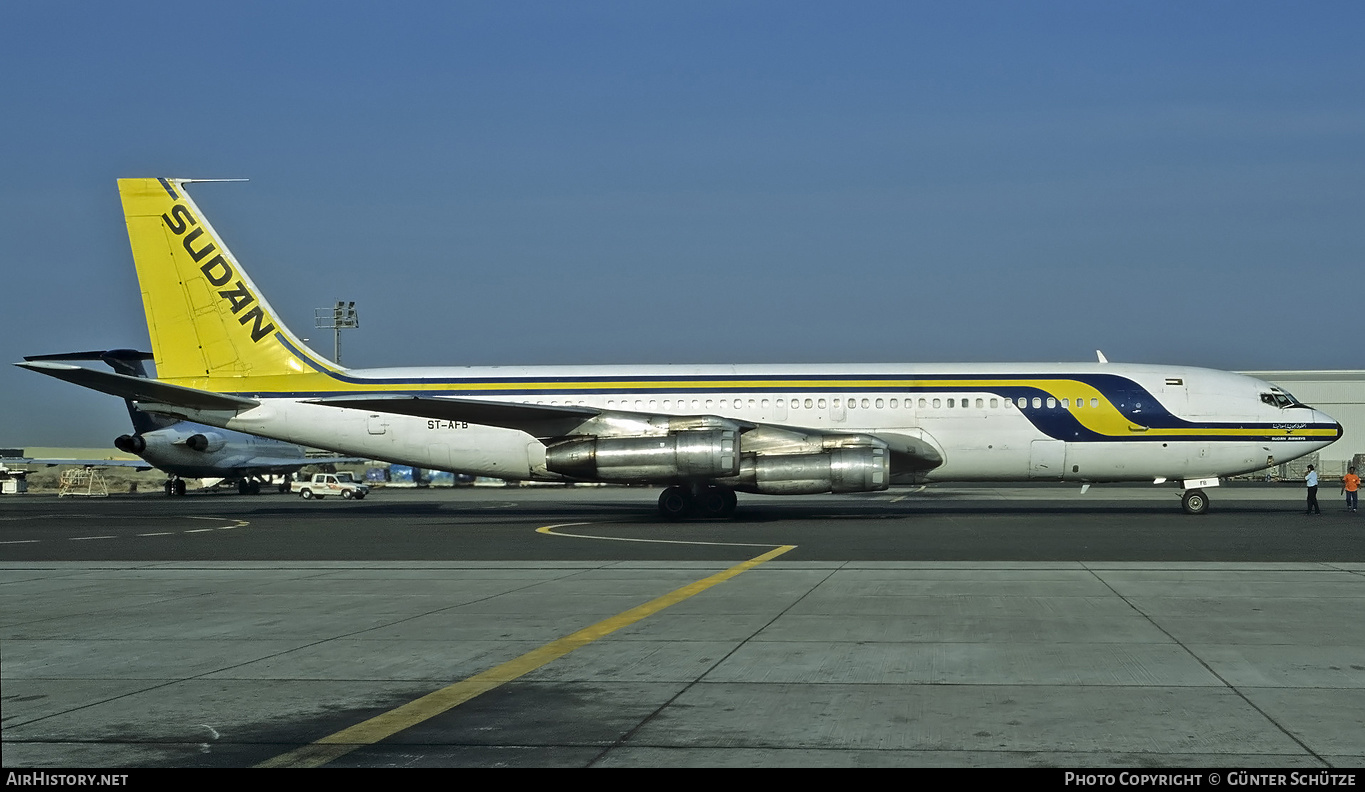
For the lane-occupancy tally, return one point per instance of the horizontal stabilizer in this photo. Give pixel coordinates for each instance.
(124, 361)
(140, 389)
(100, 354)
(538, 420)
(266, 464)
(136, 464)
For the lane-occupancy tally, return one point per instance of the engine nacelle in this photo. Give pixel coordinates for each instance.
(130, 444)
(205, 442)
(679, 456)
(857, 469)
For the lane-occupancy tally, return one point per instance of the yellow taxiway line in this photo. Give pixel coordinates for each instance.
(429, 706)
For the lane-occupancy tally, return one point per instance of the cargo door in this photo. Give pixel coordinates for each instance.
(1047, 460)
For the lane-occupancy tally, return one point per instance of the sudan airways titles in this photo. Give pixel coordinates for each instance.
(218, 271)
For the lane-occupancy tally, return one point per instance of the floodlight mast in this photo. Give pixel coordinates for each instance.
(337, 318)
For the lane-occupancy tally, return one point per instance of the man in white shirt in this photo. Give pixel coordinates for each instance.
(1312, 479)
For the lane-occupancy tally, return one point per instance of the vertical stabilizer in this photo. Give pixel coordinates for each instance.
(209, 325)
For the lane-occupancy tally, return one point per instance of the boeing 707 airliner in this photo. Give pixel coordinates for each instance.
(224, 358)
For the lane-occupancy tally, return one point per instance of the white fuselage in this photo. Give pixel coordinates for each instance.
(999, 422)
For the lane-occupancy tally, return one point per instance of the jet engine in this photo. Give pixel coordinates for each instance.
(847, 469)
(677, 456)
(163, 440)
(205, 442)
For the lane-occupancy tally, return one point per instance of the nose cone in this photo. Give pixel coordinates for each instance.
(1330, 429)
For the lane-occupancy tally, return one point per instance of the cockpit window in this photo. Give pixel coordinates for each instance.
(1278, 399)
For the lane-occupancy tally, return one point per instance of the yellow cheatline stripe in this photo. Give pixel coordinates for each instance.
(1059, 387)
(327, 366)
(429, 706)
(1244, 432)
(1104, 419)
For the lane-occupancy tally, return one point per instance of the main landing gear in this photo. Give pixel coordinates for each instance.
(701, 500)
(175, 486)
(1194, 501)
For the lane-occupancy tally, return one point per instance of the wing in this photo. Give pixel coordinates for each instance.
(538, 420)
(909, 454)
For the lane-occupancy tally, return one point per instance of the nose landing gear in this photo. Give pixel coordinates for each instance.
(1194, 501)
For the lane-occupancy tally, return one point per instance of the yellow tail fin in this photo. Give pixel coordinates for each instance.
(209, 325)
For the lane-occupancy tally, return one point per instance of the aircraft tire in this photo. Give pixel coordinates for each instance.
(675, 503)
(716, 502)
(243, 487)
(170, 488)
(1194, 501)
(179, 486)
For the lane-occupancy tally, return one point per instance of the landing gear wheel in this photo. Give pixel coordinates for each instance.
(675, 503)
(254, 488)
(170, 487)
(284, 485)
(244, 487)
(716, 502)
(179, 486)
(1194, 502)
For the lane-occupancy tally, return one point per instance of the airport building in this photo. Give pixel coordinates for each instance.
(1340, 394)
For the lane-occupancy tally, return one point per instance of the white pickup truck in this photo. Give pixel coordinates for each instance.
(324, 484)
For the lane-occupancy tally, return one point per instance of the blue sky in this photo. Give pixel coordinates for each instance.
(761, 182)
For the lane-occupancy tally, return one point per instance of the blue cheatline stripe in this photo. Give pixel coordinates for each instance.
(1121, 393)
(1058, 424)
(306, 359)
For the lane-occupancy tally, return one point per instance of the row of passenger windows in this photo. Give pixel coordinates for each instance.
(924, 403)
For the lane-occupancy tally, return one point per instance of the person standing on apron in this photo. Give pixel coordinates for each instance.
(1350, 484)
